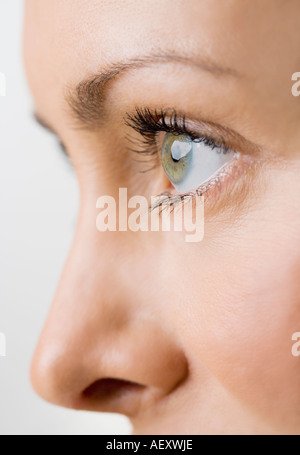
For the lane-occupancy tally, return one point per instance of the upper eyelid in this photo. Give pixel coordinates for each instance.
(204, 128)
(148, 124)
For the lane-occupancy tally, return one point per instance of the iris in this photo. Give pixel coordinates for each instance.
(189, 163)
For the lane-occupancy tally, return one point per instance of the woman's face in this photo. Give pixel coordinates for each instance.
(184, 338)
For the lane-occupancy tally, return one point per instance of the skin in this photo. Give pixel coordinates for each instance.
(184, 338)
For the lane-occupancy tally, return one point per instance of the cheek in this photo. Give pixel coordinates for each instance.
(247, 329)
(242, 307)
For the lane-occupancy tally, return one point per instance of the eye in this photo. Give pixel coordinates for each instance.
(189, 163)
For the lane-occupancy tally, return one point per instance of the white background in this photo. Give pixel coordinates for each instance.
(38, 204)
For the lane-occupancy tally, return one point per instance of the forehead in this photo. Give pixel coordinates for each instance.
(67, 40)
(88, 32)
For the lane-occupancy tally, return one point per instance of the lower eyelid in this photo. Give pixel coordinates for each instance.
(217, 179)
(220, 192)
(233, 189)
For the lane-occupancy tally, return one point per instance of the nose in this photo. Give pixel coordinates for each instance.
(103, 347)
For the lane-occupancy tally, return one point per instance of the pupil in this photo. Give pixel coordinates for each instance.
(175, 160)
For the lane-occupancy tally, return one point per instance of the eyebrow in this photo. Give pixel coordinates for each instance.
(87, 99)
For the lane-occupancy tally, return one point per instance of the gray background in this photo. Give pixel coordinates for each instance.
(38, 204)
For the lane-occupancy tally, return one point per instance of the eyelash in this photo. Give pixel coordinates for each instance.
(149, 124)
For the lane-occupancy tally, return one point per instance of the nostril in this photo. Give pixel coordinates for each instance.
(113, 395)
(106, 389)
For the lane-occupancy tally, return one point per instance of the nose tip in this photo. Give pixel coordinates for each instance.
(126, 373)
(50, 376)
(56, 383)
